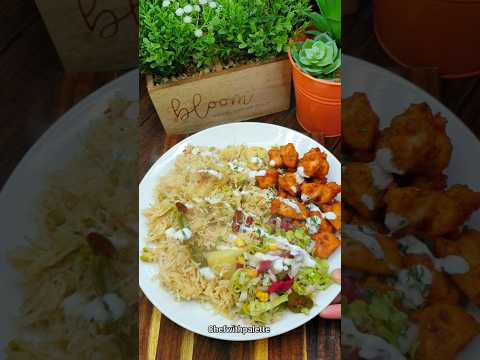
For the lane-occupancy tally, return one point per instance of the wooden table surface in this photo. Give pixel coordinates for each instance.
(39, 91)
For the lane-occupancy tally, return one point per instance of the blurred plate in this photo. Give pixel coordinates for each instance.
(192, 315)
(30, 179)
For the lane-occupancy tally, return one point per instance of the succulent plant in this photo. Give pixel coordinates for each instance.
(319, 57)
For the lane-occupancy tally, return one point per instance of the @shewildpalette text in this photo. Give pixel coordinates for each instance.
(238, 329)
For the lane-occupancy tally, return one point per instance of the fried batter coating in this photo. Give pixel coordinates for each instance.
(314, 161)
(289, 156)
(288, 183)
(335, 208)
(320, 193)
(436, 182)
(444, 330)
(434, 213)
(416, 141)
(360, 126)
(275, 158)
(360, 191)
(357, 256)
(325, 244)
(292, 209)
(468, 247)
(269, 180)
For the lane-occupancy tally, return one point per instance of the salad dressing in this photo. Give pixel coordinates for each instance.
(366, 237)
(452, 264)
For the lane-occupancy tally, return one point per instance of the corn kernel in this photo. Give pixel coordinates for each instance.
(239, 243)
(252, 273)
(261, 295)
(273, 246)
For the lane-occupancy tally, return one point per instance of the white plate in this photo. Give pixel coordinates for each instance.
(390, 95)
(192, 315)
(27, 183)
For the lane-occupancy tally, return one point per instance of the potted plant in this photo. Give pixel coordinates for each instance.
(214, 61)
(315, 59)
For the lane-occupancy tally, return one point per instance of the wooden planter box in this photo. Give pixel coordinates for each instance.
(237, 94)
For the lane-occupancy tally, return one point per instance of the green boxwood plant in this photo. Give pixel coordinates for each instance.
(183, 37)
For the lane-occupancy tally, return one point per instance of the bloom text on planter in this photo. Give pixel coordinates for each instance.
(183, 112)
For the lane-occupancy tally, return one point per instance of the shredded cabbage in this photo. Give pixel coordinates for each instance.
(310, 279)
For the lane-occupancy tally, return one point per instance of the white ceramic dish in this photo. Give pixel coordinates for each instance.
(192, 315)
(390, 95)
(29, 180)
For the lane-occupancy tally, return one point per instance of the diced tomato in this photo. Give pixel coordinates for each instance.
(286, 225)
(280, 286)
(181, 207)
(264, 266)
(237, 220)
(249, 220)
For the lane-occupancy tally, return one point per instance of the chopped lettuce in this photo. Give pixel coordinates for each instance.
(299, 237)
(310, 279)
(379, 316)
(263, 312)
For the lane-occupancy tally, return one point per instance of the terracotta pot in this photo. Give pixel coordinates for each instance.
(318, 103)
(431, 33)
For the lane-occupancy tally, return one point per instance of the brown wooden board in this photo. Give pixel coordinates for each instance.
(92, 35)
(231, 95)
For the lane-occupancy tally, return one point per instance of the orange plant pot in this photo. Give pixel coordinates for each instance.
(318, 103)
(431, 33)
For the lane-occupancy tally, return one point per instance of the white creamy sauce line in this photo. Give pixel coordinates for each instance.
(384, 158)
(366, 237)
(452, 264)
(369, 346)
(292, 204)
(283, 243)
(381, 178)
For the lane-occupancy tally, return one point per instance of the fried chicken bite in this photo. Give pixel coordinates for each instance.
(436, 182)
(365, 250)
(360, 127)
(444, 330)
(415, 142)
(364, 186)
(433, 213)
(289, 208)
(269, 180)
(288, 183)
(335, 209)
(314, 162)
(320, 193)
(325, 244)
(468, 247)
(275, 158)
(289, 156)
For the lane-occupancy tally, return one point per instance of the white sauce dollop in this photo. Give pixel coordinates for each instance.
(368, 201)
(414, 284)
(180, 235)
(211, 173)
(381, 178)
(292, 204)
(384, 158)
(395, 222)
(207, 273)
(369, 346)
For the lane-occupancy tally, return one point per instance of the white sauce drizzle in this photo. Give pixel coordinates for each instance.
(368, 201)
(381, 178)
(384, 158)
(292, 204)
(366, 237)
(452, 264)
